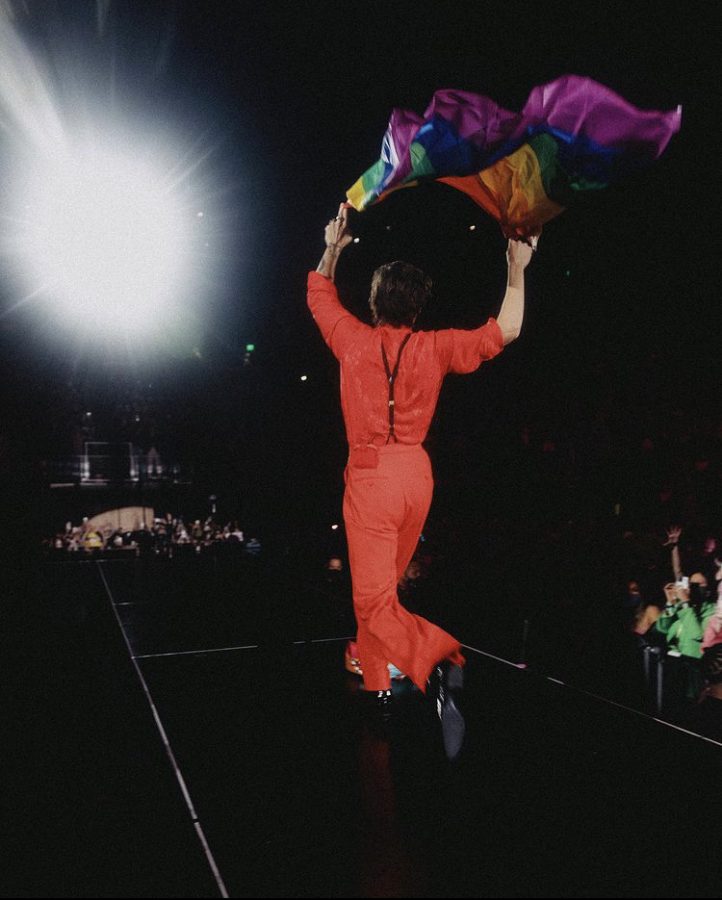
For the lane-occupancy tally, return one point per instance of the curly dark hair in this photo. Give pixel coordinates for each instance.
(398, 293)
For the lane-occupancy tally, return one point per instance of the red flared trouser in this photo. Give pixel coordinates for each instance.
(384, 510)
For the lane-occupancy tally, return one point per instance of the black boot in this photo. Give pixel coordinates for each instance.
(445, 683)
(384, 701)
(378, 706)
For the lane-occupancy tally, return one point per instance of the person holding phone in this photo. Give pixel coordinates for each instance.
(391, 376)
(682, 622)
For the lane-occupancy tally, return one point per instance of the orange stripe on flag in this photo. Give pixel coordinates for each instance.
(512, 192)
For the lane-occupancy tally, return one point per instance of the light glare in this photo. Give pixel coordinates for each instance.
(104, 238)
(110, 221)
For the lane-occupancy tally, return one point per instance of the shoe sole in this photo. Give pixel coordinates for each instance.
(453, 726)
(455, 678)
(453, 729)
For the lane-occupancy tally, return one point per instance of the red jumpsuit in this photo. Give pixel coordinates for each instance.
(388, 477)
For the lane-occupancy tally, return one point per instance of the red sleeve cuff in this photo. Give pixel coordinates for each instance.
(496, 334)
(316, 279)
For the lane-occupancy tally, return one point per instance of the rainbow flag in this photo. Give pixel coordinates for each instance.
(573, 135)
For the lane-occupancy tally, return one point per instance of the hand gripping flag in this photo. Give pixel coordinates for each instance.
(573, 135)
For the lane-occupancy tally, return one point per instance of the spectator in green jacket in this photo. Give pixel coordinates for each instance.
(683, 621)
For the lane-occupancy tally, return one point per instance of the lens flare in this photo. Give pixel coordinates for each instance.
(108, 212)
(103, 236)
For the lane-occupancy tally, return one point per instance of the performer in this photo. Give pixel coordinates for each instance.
(391, 376)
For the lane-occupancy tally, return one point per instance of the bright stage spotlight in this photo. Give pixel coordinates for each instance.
(114, 229)
(105, 237)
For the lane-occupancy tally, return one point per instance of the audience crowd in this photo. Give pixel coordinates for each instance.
(164, 536)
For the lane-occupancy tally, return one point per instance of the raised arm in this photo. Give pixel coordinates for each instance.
(337, 236)
(338, 327)
(511, 314)
(672, 541)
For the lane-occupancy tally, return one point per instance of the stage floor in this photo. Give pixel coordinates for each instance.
(167, 742)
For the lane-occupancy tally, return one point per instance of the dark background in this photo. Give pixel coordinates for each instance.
(617, 373)
(622, 325)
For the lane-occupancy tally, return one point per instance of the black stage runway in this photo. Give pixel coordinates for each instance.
(172, 737)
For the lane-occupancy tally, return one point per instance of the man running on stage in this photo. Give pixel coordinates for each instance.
(391, 376)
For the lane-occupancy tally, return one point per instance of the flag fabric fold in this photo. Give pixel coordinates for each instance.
(573, 135)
